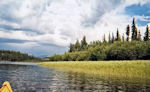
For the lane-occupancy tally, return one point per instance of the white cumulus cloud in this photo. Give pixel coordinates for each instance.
(60, 22)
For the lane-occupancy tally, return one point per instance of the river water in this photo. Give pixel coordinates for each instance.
(29, 77)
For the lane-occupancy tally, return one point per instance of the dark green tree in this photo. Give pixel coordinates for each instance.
(118, 36)
(113, 38)
(128, 32)
(84, 44)
(71, 47)
(104, 39)
(109, 38)
(139, 36)
(134, 30)
(147, 34)
(77, 45)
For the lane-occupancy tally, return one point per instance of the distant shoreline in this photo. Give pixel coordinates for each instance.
(17, 63)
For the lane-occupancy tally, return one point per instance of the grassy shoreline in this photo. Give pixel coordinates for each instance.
(120, 69)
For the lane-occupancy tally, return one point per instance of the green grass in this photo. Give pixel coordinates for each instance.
(119, 69)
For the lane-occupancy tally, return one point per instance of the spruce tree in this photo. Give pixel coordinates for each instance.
(113, 38)
(71, 47)
(109, 38)
(134, 30)
(147, 34)
(77, 45)
(139, 36)
(118, 36)
(84, 44)
(128, 33)
(104, 39)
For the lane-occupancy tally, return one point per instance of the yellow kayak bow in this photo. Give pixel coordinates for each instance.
(6, 87)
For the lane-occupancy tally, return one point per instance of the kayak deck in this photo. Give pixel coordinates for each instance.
(6, 87)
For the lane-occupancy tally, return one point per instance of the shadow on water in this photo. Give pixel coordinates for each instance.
(33, 78)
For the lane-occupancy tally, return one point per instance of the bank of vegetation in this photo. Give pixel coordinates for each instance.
(120, 69)
(133, 46)
(7, 55)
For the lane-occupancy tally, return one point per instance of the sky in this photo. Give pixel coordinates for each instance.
(47, 27)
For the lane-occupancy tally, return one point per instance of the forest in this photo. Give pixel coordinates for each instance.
(133, 46)
(7, 55)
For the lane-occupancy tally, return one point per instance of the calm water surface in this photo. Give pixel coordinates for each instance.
(26, 77)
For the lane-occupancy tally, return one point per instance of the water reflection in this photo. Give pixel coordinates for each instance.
(33, 78)
(77, 82)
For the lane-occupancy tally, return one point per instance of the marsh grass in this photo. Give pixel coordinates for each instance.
(112, 69)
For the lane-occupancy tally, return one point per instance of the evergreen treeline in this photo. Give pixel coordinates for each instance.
(115, 48)
(8, 55)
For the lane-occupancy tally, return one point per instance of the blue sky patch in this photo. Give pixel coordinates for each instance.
(141, 10)
(142, 23)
